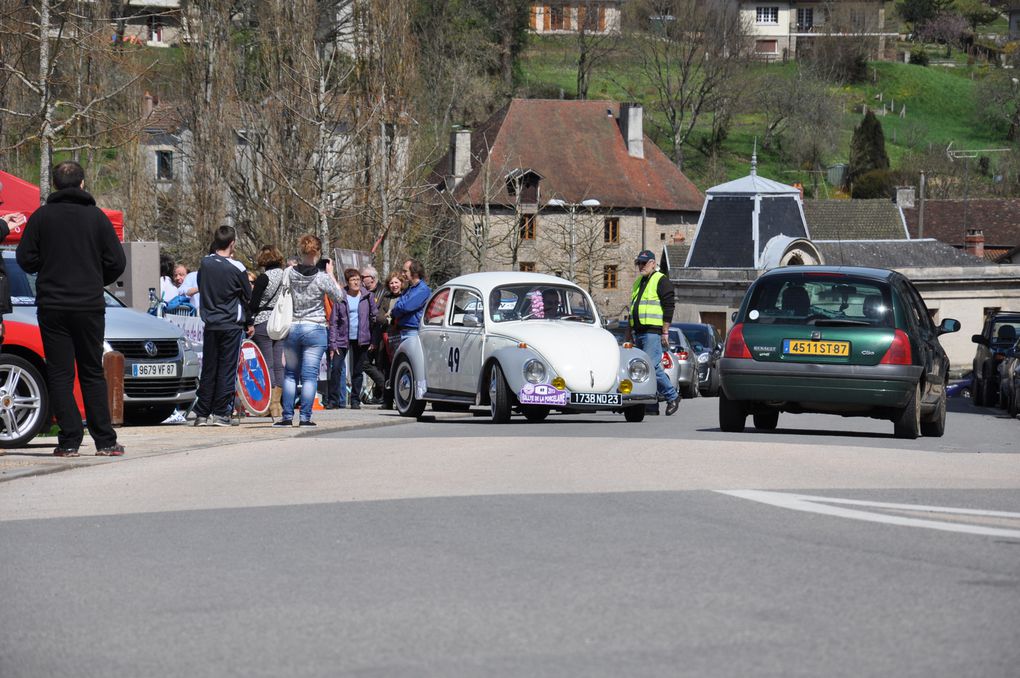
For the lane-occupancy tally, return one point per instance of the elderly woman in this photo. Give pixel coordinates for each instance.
(306, 341)
(350, 331)
(265, 293)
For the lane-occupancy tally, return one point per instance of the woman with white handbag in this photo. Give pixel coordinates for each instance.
(265, 293)
(304, 290)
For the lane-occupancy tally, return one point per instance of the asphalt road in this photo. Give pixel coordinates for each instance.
(577, 547)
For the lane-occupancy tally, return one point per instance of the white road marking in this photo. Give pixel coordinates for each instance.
(813, 504)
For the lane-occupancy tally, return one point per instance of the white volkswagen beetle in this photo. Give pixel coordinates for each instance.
(521, 342)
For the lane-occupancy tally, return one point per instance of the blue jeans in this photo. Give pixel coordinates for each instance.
(302, 354)
(406, 334)
(651, 343)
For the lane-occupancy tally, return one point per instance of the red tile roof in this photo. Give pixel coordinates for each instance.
(944, 220)
(578, 149)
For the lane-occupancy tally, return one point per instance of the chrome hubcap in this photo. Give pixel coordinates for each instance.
(404, 386)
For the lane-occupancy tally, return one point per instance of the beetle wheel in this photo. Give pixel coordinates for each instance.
(403, 391)
(499, 396)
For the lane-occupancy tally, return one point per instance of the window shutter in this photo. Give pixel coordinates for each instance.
(546, 15)
(581, 26)
(602, 19)
(534, 17)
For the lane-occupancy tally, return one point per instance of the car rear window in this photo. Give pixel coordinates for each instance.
(820, 299)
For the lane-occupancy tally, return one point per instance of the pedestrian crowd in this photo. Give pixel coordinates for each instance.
(350, 317)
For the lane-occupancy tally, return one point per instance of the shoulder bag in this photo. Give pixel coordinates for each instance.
(278, 325)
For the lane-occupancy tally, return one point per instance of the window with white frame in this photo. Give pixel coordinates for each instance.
(767, 14)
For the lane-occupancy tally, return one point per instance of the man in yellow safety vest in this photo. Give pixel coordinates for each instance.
(651, 311)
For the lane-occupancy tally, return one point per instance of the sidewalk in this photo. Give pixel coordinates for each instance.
(148, 441)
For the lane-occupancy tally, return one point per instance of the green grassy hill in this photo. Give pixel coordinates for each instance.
(939, 101)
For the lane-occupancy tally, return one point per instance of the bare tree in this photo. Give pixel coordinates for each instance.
(596, 42)
(688, 53)
(61, 74)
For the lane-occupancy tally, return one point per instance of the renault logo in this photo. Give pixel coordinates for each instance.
(816, 335)
(151, 349)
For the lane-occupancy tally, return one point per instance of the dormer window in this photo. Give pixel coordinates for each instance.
(522, 186)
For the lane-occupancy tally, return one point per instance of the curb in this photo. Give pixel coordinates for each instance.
(47, 469)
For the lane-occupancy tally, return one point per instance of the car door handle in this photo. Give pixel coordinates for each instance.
(444, 336)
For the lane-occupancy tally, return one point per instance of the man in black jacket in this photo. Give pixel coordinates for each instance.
(73, 248)
(224, 291)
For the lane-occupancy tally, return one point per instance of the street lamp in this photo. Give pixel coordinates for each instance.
(571, 207)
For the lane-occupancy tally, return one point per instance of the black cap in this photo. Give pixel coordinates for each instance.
(644, 256)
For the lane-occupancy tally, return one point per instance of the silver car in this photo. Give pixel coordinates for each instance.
(683, 355)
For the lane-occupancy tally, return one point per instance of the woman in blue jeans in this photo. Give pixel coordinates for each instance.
(306, 341)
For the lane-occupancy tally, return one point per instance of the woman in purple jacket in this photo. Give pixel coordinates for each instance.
(350, 330)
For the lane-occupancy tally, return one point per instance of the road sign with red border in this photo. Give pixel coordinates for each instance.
(253, 387)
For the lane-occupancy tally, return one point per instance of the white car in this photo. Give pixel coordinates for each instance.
(518, 342)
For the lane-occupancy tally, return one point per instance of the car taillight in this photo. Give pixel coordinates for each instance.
(736, 347)
(899, 350)
(682, 355)
(667, 361)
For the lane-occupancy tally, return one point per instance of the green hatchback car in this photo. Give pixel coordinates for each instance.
(857, 342)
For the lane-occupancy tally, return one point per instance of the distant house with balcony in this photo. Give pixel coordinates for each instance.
(789, 30)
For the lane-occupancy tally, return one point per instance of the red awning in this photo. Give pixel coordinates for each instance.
(18, 195)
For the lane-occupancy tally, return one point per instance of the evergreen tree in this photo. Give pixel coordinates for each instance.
(867, 148)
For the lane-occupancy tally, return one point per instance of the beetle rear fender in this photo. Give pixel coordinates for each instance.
(410, 350)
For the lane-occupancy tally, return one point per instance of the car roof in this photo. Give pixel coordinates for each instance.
(859, 271)
(487, 281)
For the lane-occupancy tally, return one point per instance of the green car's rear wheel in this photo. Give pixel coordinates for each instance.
(766, 420)
(908, 423)
(732, 414)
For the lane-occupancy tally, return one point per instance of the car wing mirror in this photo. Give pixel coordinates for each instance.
(472, 320)
(949, 325)
(733, 317)
(978, 339)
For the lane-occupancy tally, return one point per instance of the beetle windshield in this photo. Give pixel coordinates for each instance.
(539, 302)
(818, 299)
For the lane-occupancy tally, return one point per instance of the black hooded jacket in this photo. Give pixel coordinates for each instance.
(71, 244)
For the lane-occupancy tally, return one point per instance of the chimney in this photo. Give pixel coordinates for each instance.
(460, 156)
(905, 197)
(632, 126)
(974, 242)
(147, 105)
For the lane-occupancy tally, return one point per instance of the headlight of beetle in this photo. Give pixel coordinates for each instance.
(534, 371)
(638, 370)
(704, 358)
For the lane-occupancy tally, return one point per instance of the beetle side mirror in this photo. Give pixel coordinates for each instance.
(471, 320)
(949, 325)
(978, 339)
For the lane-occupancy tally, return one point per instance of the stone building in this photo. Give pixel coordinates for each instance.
(572, 188)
